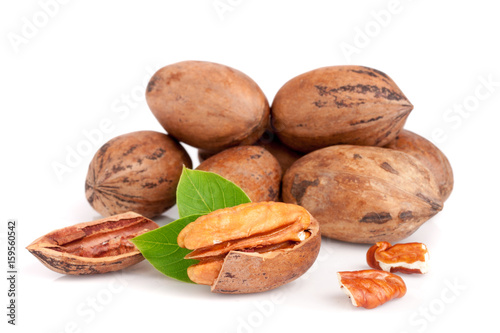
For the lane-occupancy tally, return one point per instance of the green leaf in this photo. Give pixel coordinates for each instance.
(201, 192)
(160, 248)
(198, 193)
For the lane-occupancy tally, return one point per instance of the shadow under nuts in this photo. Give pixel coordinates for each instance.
(99, 246)
(339, 105)
(208, 105)
(252, 247)
(363, 194)
(138, 172)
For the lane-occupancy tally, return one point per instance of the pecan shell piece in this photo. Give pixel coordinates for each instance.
(99, 246)
(371, 288)
(406, 258)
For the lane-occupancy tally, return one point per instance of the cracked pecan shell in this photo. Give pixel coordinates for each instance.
(251, 247)
(339, 105)
(99, 246)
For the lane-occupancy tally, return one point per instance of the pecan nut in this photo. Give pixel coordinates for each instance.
(371, 288)
(251, 247)
(99, 246)
(406, 258)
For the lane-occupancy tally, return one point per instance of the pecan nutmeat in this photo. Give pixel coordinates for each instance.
(406, 258)
(251, 247)
(371, 288)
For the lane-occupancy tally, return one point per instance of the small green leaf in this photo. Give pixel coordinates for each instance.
(201, 192)
(198, 193)
(160, 248)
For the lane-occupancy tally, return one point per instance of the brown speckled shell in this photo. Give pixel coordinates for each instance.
(363, 194)
(244, 272)
(50, 248)
(138, 172)
(339, 105)
(208, 105)
(252, 168)
(427, 153)
(272, 144)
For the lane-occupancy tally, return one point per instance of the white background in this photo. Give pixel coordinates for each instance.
(70, 68)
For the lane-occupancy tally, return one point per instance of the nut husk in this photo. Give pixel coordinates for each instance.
(363, 194)
(339, 105)
(99, 246)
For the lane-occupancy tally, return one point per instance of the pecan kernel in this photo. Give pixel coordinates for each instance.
(237, 245)
(371, 288)
(406, 258)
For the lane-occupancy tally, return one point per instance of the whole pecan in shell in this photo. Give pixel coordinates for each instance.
(339, 105)
(430, 155)
(363, 194)
(254, 169)
(208, 105)
(138, 172)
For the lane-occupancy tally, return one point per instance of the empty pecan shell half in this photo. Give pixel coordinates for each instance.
(251, 247)
(371, 288)
(99, 246)
(405, 258)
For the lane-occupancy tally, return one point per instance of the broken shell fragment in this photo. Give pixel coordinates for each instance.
(99, 246)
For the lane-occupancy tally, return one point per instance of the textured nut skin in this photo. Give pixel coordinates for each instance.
(138, 172)
(371, 288)
(99, 246)
(270, 141)
(398, 256)
(252, 168)
(339, 105)
(430, 155)
(208, 105)
(256, 245)
(363, 194)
